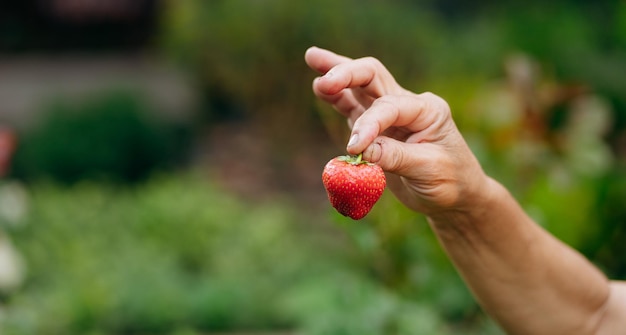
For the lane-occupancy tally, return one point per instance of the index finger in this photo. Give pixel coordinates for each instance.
(413, 113)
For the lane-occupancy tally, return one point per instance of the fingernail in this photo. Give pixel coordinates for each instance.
(353, 140)
(328, 74)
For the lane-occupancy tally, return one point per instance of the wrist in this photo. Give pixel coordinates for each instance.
(482, 204)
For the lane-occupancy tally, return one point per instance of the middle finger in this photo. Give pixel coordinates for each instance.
(367, 74)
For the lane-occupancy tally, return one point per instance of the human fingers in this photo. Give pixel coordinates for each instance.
(367, 74)
(322, 60)
(403, 159)
(418, 117)
(344, 102)
(347, 102)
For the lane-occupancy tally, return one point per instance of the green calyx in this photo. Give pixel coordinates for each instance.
(354, 159)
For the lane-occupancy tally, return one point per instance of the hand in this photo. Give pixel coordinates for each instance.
(411, 136)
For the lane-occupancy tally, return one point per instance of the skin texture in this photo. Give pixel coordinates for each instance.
(527, 280)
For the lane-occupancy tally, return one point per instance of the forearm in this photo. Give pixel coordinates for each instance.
(530, 282)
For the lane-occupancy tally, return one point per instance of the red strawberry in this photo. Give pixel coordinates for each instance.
(353, 185)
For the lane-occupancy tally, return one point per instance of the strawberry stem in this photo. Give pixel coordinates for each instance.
(353, 159)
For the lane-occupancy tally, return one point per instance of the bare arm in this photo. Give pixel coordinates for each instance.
(526, 279)
(530, 282)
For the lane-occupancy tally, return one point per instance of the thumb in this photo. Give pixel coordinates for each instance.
(404, 159)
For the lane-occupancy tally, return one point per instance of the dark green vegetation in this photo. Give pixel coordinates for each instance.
(109, 137)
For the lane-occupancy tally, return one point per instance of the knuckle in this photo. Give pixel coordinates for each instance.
(387, 103)
(387, 155)
(372, 61)
(437, 105)
(396, 160)
(373, 64)
(385, 100)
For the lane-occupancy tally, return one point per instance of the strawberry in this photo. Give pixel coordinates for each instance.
(353, 185)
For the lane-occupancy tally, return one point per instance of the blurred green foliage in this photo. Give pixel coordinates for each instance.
(247, 55)
(173, 253)
(178, 253)
(109, 136)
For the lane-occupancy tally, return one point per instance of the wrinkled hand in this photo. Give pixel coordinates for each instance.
(411, 136)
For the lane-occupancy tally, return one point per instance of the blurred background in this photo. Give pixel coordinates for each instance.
(161, 160)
